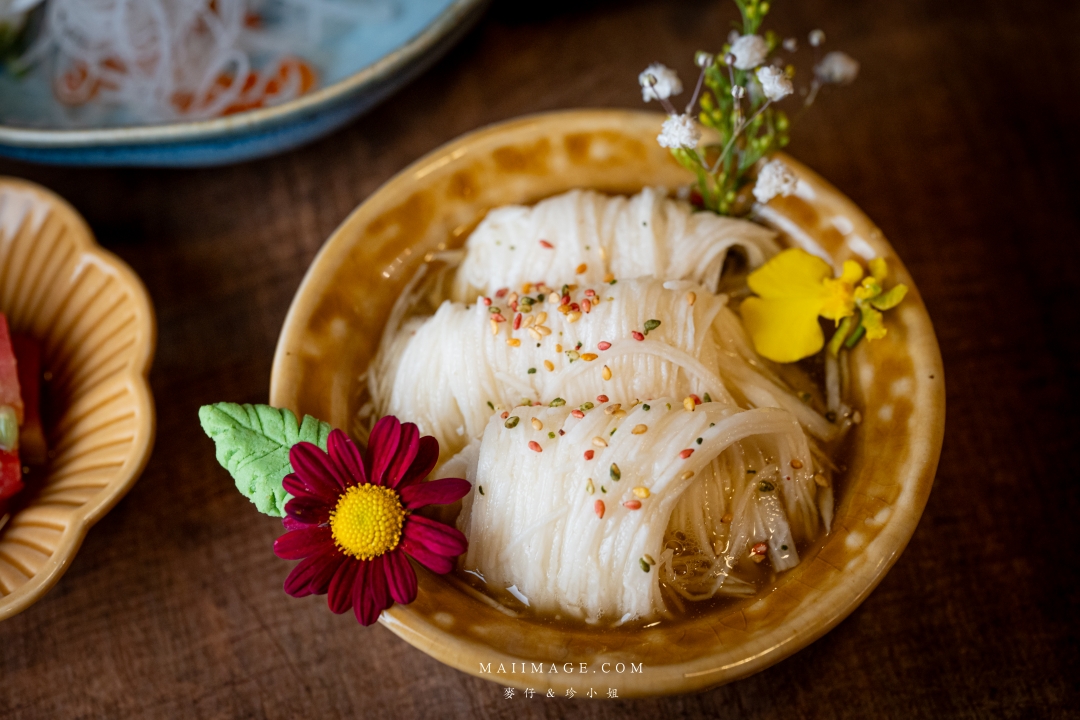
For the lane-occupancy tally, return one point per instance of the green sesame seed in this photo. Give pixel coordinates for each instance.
(557, 402)
(512, 421)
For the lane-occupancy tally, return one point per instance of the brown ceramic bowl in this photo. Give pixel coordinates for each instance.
(94, 319)
(334, 325)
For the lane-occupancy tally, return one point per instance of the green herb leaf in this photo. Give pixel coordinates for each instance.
(253, 444)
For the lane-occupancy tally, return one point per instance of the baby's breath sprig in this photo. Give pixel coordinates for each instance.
(736, 95)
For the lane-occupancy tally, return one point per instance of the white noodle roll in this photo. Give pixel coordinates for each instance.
(447, 391)
(587, 235)
(536, 526)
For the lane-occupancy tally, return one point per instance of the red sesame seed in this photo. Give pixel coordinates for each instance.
(514, 306)
(565, 300)
(486, 301)
(601, 398)
(561, 432)
(501, 292)
(575, 307)
(686, 453)
(603, 345)
(760, 549)
(637, 336)
(497, 317)
(598, 508)
(546, 244)
(589, 454)
(632, 504)
(577, 413)
(586, 306)
(695, 398)
(590, 293)
(535, 446)
(517, 321)
(506, 414)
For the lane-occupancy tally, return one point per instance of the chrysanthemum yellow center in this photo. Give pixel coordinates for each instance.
(367, 521)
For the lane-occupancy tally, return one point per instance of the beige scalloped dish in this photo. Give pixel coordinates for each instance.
(96, 325)
(336, 320)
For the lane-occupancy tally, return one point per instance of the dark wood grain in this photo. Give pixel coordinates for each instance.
(959, 139)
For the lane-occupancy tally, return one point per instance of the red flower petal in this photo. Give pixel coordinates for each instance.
(432, 561)
(408, 445)
(312, 575)
(299, 544)
(294, 524)
(308, 511)
(315, 469)
(340, 594)
(382, 444)
(400, 577)
(438, 538)
(436, 492)
(347, 456)
(427, 454)
(370, 594)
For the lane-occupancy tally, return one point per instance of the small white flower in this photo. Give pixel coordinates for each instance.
(791, 45)
(679, 131)
(774, 83)
(749, 51)
(837, 68)
(817, 38)
(659, 82)
(775, 178)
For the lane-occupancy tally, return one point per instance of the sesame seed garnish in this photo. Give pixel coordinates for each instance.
(686, 453)
(531, 371)
(602, 398)
(535, 446)
(564, 308)
(687, 475)
(796, 463)
(586, 305)
(691, 298)
(551, 435)
(821, 480)
(598, 508)
(619, 413)
(581, 268)
(543, 330)
(616, 474)
(640, 430)
(589, 487)
(526, 288)
(517, 321)
(589, 357)
(537, 425)
(603, 345)
(589, 454)
(554, 298)
(646, 407)
(494, 327)
(498, 317)
(558, 347)
(513, 342)
(642, 492)
(651, 325)
(485, 300)
(727, 518)
(529, 321)
(695, 398)
(501, 292)
(688, 404)
(649, 559)
(549, 365)
(708, 398)
(644, 564)
(612, 408)
(606, 373)
(577, 413)
(557, 402)
(573, 316)
(609, 277)
(599, 442)
(636, 335)
(632, 504)
(511, 422)
(532, 331)
(546, 244)
(505, 414)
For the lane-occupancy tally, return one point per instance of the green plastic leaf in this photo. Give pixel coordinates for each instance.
(253, 444)
(889, 300)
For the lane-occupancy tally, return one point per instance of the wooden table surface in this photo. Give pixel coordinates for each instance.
(959, 139)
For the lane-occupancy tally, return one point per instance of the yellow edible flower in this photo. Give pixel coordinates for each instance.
(795, 288)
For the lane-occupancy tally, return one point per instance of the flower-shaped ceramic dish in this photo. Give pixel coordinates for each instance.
(335, 322)
(363, 73)
(94, 319)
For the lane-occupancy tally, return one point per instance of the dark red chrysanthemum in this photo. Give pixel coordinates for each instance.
(351, 520)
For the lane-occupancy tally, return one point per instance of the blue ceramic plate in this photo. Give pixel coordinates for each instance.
(365, 69)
